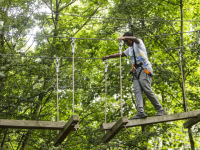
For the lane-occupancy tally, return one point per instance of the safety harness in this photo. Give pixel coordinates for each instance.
(136, 66)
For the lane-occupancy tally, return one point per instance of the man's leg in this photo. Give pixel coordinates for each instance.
(145, 82)
(139, 100)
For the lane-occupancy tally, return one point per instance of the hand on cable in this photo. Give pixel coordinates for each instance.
(105, 57)
(120, 39)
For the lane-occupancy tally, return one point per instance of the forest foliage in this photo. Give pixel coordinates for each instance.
(34, 33)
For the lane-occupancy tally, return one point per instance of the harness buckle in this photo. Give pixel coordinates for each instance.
(135, 66)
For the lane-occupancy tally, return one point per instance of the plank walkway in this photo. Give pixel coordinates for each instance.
(71, 125)
(31, 124)
(114, 127)
(153, 120)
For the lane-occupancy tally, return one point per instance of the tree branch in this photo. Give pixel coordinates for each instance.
(47, 4)
(66, 5)
(171, 3)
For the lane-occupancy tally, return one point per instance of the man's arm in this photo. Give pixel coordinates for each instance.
(132, 38)
(114, 56)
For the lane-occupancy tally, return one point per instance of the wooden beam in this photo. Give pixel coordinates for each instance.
(192, 122)
(115, 129)
(69, 126)
(153, 120)
(31, 124)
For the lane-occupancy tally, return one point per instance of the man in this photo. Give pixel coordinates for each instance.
(142, 75)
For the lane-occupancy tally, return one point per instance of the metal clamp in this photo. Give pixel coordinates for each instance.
(198, 35)
(179, 53)
(76, 127)
(106, 66)
(132, 22)
(1, 26)
(57, 65)
(120, 47)
(126, 129)
(73, 45)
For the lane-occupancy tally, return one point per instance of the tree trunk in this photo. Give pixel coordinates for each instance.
(183, 76)
(164, 142)
(26, 140)
(145, 130)
(4, 138)
(28, 134)
(191, 139)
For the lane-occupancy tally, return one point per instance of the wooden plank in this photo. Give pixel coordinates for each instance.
(31, 124)
(153, 120)
(69, 126)
(115, 129)
(192, 121)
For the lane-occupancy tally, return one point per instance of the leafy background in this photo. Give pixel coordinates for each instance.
(34, 33)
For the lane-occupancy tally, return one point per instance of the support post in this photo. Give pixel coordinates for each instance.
(31, 124)
(115, 129)
(192, 122)
(69, 126)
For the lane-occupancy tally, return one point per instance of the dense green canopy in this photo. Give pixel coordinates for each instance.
(34, 33)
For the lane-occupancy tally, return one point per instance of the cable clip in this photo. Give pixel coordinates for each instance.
(1, 26)
(179, 53)
(198, 35)
(57, 64)
(106, 66)
(73, 44)
(132, 22)
(127, 130)
(120, 47)
(76, 127)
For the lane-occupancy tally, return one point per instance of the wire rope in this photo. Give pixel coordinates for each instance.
(57, 71)
(47, 57)
(12, 55)
(73, 49)
(40, 35)
(120, 56)
(96, 17)
(106, 68)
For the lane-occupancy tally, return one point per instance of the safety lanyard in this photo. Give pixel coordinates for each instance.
(135, 66)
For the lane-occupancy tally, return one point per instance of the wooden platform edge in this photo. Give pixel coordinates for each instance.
(69, 126)
(31, 124)
(115, 129)
(153, 120)
(192, 122)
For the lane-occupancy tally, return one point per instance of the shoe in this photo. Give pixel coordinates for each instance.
(160, 113)
(139, 115)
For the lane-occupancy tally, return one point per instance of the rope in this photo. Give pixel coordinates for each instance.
(57, 71)
(120, 54)
(106, 67)
(73, 49)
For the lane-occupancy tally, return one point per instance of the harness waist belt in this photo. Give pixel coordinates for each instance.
(135, 66)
